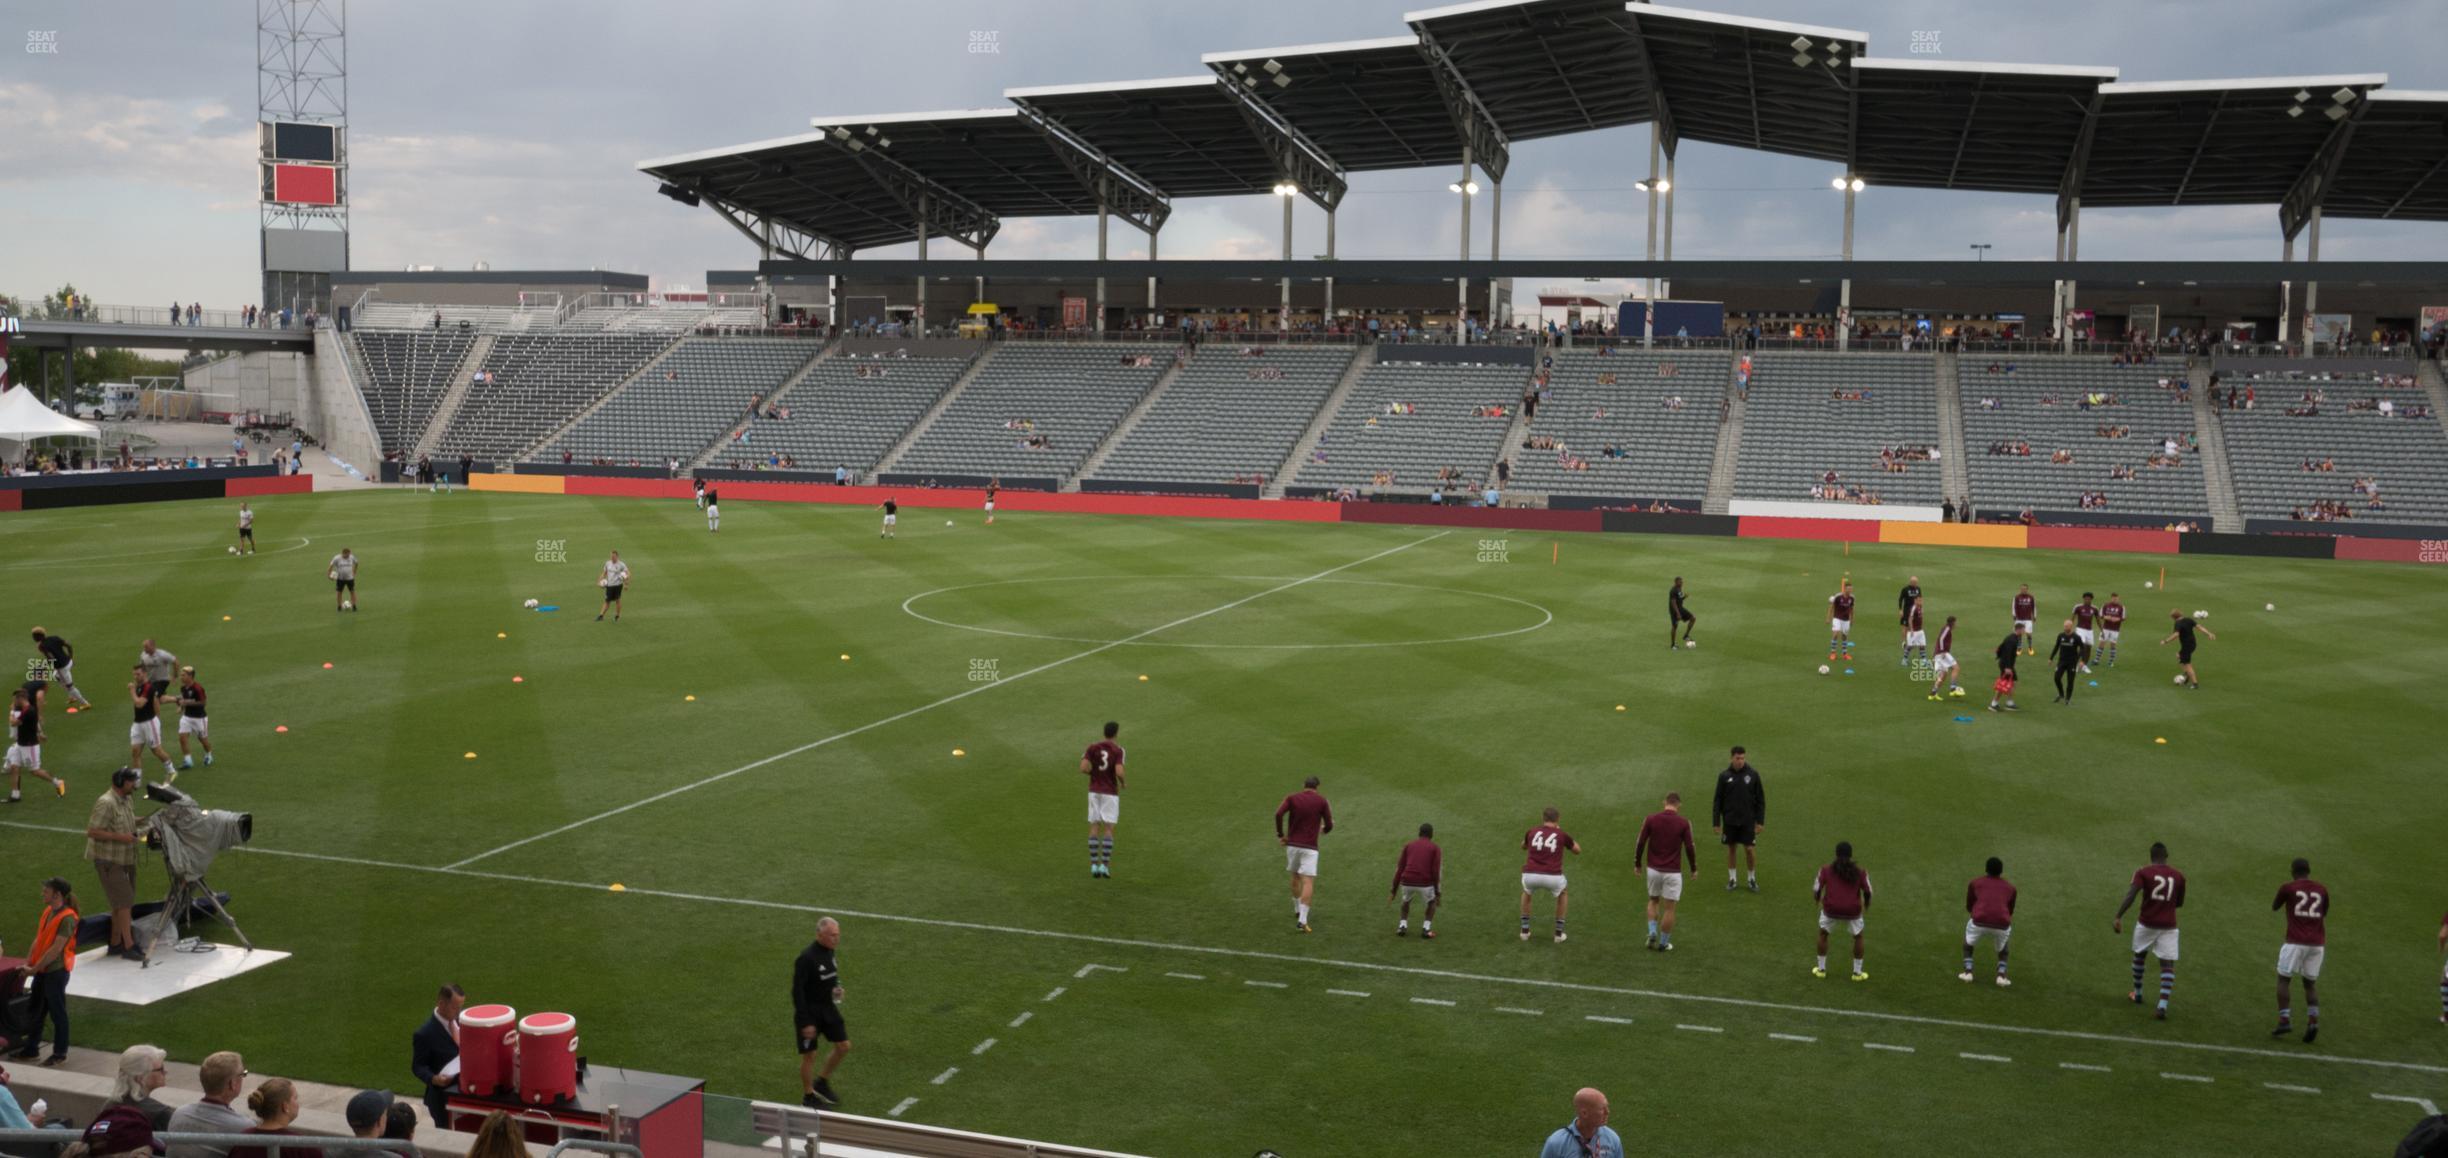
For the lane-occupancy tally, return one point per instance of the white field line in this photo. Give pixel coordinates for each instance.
(1092, 967)
(1332, 963)
(1057, 992)
(945, 1076)
(1021, 1020)
(1521, 1012)
(1188, 976)
(955, 697)
(1985, 1057)
(981, 1047)
(1266, 984)
(901, 1108)
(1346, 993)
(1888, 1048)
(2186, 1077)
(1791, 1037)
(1605, 1020)
(1702, 1028)
(1431, 1001)
(2290, 1088)
(2425, 1103)
(2084, 1068)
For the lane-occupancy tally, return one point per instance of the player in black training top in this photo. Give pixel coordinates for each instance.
(2184, 647)
(711, 500)
(816, 995)
(892, 514)
(2001, 694)
(60, 658)
(2067, 652)
(1678, 615)
(1904, 602)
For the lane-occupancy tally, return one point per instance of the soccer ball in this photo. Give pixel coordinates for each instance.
(2264, 607)
(2201, 615)
(1823, 669)
(233, 550)
(531, 605)
(348, 605)
(2180, 681)
(2150, 583)
(1691, 643)
(947, 522)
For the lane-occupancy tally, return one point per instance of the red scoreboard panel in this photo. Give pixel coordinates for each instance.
(301, 184)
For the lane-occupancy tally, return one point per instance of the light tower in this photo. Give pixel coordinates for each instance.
(301, 97)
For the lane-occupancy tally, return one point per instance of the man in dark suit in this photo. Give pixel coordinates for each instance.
(435, 1046)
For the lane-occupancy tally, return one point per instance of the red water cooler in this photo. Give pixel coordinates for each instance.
(547, 1058)
(488, 1049)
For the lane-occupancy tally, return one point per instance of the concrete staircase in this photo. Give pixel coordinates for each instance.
(1954, 470)
(600, 403)
(2218, 477)
(1122, 429)
(2434, 387)
(892, 457)
(448, 408)
(1729, 445)
(1319, 422)
(713, 450)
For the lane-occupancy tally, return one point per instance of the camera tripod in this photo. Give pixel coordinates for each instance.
(185, 894)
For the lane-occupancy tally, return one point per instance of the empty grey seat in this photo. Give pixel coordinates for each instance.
(1658, 408)
(1797, 426)
(1231, 415)
(2041, 402)
(1406, 421)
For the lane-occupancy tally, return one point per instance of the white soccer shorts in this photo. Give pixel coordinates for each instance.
(1916, 639)
(25, 756)
(2301, 961)
(1103, 809)
(1550, 883)
(990, 507)
(2023, 626)
(1665, 885)
(2160, 943)
(890, 519)
(1425, 894)
(2084, 634)
(1840, 627)
(1941, 664)
(1828, 924)
(147, 733)
(1300, 861)
(198, 726)
(1973, 933)
(2108, 635)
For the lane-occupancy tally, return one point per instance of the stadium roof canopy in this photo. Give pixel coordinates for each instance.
(1478, 76)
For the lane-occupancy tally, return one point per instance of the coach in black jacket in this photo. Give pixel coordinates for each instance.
(1738, 813)
(435, 1046)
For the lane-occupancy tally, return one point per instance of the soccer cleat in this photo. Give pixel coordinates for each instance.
(186, 762)
(2311, 1033)
(811, 1101)
(1427, 934)
(1650, 942)
(1934, 697)
(1993, 707)
(208, 759)
(1665, 946)
(1403, 930)
(1965, 976)
(1559, 939)
(824, 1090)
(1304, 926)
(58, 786)
(1956, 693)
(1864, 976)
(2282, 1030)
(1729, 884)
(2003, 983)
(2134, 995)
(2160, 1014)
(1755, 884)
(1818, 972)
(1525, 934)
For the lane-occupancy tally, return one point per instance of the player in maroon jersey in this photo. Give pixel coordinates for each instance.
(2086, 624)
(2162, 890)
(1943, 668)
(1914, 636)
(2306, 904)
(1665, 850)
(1543, 869)
(1102, 765)
(2112, 621)
(1990, 899)
(1840, 621)
(1419, 875)
(1310, 818)
(1843, 893)
(2026, 609)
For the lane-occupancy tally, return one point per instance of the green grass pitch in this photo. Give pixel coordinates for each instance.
(797, 783)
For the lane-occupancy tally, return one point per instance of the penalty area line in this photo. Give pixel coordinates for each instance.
(954, 698)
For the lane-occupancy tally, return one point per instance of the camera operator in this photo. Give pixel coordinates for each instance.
(111, 843)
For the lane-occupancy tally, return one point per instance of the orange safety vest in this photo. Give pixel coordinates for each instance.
(52, 926)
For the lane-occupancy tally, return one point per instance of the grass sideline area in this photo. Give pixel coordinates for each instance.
(797, 783)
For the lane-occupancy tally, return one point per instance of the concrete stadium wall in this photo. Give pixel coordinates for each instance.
(335, 411)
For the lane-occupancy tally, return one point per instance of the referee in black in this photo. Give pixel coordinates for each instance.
(1678, 615)
(1739, 812)
(2068, 652)
(816, 995)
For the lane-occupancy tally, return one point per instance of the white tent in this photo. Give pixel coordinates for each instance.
(24, 418)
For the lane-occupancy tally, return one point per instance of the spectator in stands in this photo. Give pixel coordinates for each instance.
(142, 1070)
(1586, 1136)
(499, 1137)
(369, 1113)
(275, 1106)
(221, 1075)
(400, 1124)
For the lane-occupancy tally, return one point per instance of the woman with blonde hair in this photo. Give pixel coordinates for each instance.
(142, 1070)
(275, 1106)
(499, 1137)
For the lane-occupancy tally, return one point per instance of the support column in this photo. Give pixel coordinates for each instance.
(1283, 318)
(1462, 282)
(1668, 284)
(1844, 288)
(1099, 327)
(922, 248)
(2073, 254)
(1649, 247)
(1152, 277)
(978, 289)
(1328, 317)
(2312, 287)
(1495, 247)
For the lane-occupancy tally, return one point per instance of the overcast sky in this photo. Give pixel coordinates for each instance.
(509, 132)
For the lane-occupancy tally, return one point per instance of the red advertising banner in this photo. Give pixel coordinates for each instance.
(305, 184)
(1075, 313)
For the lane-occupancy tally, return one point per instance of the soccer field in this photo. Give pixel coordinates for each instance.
(890, 732)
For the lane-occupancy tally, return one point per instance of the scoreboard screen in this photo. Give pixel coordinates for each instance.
(298, 141)
(301, 184)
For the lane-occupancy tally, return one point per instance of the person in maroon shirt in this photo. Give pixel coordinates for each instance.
(1843, 893)
(2306, 904)
(2112, 621)
(2162, 890)
(2086, 621)
(2026, 609)
(1943, 668)
(1102, 765)
(1543, 869)
(1665, 848)
(1990, 899)
(1840, 621)
(1419, 874)
(1310, 818)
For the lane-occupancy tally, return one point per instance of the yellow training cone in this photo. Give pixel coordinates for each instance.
(225, 619)
(1142, 679)
(501, 635)
(958, 752)
(1619, 707)
(471, 755)
(2160, 740)
(845, 657)
(619, 887)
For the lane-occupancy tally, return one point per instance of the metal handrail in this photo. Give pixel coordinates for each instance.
(270, 1143)
(593, 1146)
